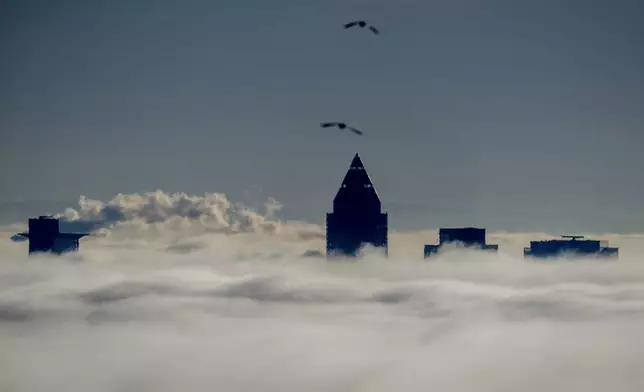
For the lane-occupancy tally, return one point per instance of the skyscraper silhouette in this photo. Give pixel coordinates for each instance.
(44, 236)
(356, 219)
(470, 237)
(570, 245)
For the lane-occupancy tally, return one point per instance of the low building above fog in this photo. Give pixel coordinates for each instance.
(470, 237)
(44, 236)
(571, 245)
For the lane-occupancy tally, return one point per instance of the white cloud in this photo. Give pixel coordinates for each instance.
(199, 294)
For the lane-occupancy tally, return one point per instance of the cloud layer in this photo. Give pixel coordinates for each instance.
(200, 294)
(186, 223)
(210, 213)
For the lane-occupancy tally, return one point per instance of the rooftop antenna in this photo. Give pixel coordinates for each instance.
(573, 237)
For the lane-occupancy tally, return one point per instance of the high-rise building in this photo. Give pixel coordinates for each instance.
(570, 245)
(44, 236)
(470, 237)
(356, 219)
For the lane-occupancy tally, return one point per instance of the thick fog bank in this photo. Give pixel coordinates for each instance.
(149, 320)
(178, 292)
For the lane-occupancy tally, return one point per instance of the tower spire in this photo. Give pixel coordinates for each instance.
(356, 218)
(357, 188)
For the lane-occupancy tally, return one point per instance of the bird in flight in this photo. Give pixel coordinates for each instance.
(362, 23)
(341, 125)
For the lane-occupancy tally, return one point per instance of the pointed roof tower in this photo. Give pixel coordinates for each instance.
(357, 192)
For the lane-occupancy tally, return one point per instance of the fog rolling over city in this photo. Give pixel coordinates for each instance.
(180, 292)
(522, 117)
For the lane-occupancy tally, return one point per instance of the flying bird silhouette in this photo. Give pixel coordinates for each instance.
(362, 23)
(341, 125)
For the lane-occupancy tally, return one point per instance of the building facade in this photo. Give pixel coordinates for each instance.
(471, 237)
(356, 219)
(570, 245)
(44, 236)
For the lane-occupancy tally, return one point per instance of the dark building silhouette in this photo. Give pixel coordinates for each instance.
(573, 245)
(468, 236)
(356, 219)
(44, 236)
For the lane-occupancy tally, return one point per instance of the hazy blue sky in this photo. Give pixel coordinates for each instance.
(524, 115)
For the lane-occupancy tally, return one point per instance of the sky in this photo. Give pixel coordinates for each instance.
(511, 115)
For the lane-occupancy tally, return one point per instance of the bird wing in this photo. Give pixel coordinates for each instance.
(329, 124)
(351, 24)
(375, 30)
(356, 131)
